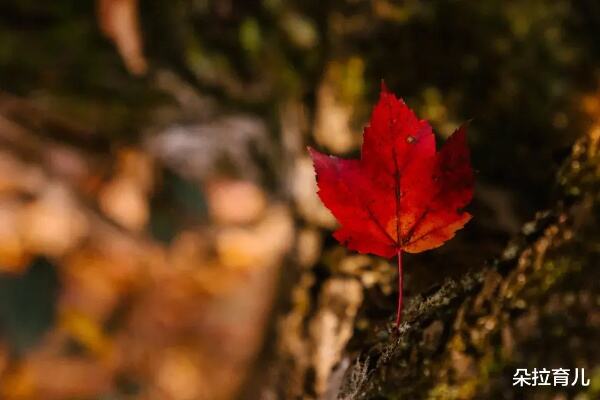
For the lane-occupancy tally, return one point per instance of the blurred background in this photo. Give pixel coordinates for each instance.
(160, 236)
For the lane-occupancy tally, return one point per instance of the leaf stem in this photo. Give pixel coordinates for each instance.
(400, 276)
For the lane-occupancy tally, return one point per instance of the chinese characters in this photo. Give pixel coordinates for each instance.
(550, 377)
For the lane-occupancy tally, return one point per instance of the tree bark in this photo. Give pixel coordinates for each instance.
(534, 306)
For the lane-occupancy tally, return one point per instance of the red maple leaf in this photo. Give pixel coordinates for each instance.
(401, 195)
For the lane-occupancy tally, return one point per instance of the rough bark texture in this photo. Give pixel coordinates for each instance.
(534, 306)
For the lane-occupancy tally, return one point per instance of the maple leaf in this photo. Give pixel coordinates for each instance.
(401, 195)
